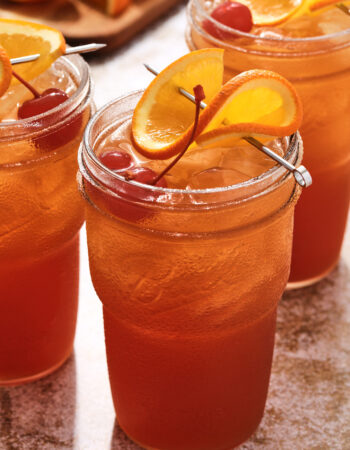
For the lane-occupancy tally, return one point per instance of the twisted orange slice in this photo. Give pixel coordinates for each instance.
(257, 103)
(163, 118)
(5, 71)
(22, 38)
(254, 103)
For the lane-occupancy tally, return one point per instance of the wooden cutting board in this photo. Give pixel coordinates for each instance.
(81, 23)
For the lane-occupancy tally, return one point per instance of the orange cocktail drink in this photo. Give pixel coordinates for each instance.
(313, 52)
(189, 271)
(41, 217)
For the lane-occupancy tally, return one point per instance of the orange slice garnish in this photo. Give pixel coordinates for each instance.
(316, 6)
(257, 103)
(163, 119)
(22, 38)
(265, 12)
(5, 71)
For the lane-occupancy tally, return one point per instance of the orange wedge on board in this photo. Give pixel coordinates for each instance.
(5, 71)
(256, 103)
(163, 119)
(22, 38)
(111, 7)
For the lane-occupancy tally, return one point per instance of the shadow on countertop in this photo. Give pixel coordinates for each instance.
(309, 395)
(120, 440)
(316, 314)
(40, 415)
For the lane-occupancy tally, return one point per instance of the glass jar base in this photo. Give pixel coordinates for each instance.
(145, 447)
(309, 282)
(135, 440)
(35, 377)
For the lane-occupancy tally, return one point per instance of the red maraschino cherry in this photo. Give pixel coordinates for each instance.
(232, 14)
(49, 99)
(145, 175)
(124, 205)
(120, 161)
(116, 159)
(42, 103)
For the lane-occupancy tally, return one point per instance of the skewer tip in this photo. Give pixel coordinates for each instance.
(149, 68)
(98, 46)
(85, 48)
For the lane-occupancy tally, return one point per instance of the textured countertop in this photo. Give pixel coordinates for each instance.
(309, 399)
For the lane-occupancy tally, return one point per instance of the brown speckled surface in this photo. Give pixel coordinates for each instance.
(309, 400)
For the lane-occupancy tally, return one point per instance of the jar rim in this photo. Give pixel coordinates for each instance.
(251, 36)
(84, 71)
(277, 174)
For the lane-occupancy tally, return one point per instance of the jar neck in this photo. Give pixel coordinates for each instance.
(13, 133)
(261, 45)
(111, 183)
(197, 215)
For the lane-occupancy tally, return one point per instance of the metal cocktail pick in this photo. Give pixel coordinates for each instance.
(301, 174)
(69, 51)
(24, 59)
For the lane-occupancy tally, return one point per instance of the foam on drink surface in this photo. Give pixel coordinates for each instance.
(200, 168)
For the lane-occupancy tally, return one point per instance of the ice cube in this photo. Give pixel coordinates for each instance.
(268, 32)
(250, 161)
(301, 27)
(247, 160)
(328, 22)
(195, 160)
(57, 76)
(216, 177)
(120, 139)
(10, 102)
(122, 133)
(333, 21)
(279, 145)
